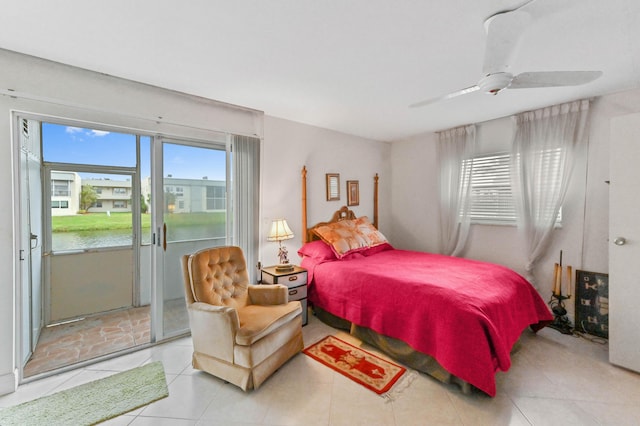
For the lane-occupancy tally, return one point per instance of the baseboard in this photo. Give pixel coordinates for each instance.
(8, 383)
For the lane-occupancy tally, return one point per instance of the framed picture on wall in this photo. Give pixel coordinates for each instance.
(353, 193)
(333, 186)
(592, 303)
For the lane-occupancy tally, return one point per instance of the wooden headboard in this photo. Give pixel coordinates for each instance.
(341, 214)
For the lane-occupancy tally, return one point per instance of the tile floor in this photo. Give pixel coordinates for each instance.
(101, 334)
(554, 380)
(89, 338)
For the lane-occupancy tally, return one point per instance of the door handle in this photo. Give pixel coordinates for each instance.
(34, 237)
(620, 241)
(164, 236)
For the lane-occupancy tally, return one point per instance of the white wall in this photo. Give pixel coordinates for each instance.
(46, 88)
(584, 234)
(288, 146)
(41, 87)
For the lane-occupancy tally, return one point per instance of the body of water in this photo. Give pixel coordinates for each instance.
(64, 241)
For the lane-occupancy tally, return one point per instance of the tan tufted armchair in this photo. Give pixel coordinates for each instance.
(241, 333)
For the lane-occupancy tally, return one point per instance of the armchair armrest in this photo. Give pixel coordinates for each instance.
(269, 294)
(208, 320)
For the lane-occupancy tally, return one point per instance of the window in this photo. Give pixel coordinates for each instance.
(55, 204)
(491, 194)
(216, 197)
(491, 197)
(119, 204)
(119, 190)
(60, 188)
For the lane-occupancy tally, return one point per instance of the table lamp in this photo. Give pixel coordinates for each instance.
(280, 231)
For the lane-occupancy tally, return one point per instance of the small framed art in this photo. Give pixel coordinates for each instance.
(353, 193)
(333, 186)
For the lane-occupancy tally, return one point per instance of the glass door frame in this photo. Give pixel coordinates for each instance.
(160, 259)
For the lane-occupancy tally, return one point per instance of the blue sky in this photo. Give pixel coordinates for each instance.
(66, 144)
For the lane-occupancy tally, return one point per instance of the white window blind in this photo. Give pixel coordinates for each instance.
(491, 195)
(491, 198)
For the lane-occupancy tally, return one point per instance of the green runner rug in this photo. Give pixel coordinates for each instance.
(92, 402)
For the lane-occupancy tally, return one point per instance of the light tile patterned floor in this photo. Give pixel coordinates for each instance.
(554, 380)
(101, 334)
(88, 338)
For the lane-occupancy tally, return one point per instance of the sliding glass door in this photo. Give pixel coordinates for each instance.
(107, 214)
(192, 215)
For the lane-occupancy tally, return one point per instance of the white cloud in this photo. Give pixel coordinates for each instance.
(99, 133)
(70, 129)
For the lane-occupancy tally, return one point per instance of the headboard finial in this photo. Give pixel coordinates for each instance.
(304, 204)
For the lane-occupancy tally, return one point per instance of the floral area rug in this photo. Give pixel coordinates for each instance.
(371, 371)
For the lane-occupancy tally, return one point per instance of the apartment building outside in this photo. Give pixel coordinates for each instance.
(181, 195)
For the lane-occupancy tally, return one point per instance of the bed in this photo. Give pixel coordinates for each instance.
(453, 318)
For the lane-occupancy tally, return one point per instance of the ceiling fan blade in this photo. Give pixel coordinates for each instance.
(445, 97)
(503, 31)
(528, 80)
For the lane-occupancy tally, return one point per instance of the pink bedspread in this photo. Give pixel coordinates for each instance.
(466, 314)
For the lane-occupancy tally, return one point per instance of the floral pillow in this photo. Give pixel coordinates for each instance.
(350, 236)
(343, 237)
(369, 232)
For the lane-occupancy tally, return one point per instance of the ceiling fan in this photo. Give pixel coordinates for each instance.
(503, 30)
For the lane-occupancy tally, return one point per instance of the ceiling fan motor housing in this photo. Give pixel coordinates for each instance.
(491, 84)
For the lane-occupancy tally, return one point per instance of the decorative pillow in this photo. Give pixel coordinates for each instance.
(318, 250)
(343, 237)
(369, 232)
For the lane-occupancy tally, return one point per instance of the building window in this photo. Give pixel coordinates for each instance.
(119, 190)
(216, 197)
(60, 188)
(98, 190)
(59, 204)
(119, 204)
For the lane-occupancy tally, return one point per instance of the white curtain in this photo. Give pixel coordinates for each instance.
(544, 149)
(246, 199)
(456, 148)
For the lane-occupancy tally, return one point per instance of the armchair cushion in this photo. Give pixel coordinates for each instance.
(219, 277)
(258, 321)
(268, 294)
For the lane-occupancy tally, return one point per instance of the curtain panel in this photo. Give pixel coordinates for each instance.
(245, 154)
(454, 147)
(543, 152)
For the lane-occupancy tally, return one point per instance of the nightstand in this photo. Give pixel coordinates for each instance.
(296, 280)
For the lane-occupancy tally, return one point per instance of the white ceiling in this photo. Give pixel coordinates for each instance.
(348, 65)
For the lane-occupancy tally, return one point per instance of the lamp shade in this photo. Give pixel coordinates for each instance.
(279, 231)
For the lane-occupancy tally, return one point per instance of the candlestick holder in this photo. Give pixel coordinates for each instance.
(560, 320)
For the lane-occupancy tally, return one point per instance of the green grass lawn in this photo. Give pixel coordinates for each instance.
(102, 221)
